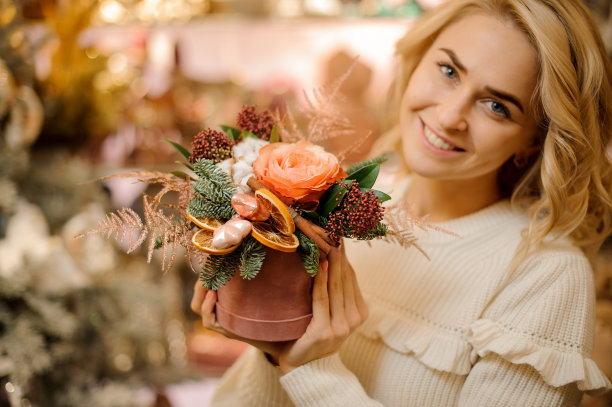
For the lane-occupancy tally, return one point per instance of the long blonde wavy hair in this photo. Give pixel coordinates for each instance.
(568, 184)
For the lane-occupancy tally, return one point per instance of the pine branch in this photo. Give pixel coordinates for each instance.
(252, 257)
(212, 191)
(380, 230)
(219, 270)
(202, 207)
(25, 347)
(206, 169)
(309, 253)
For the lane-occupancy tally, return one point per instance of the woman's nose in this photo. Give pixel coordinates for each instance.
(453, 110)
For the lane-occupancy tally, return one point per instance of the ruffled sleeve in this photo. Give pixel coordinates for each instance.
(545, 318)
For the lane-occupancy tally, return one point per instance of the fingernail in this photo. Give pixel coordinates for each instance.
(324, 265)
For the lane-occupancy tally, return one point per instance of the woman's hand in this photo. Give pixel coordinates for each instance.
(338, 309)
(203, 303)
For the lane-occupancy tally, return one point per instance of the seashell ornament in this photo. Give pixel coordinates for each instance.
(226, 236)
(249, 207)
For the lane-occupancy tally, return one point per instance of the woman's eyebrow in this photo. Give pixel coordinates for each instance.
(507, 97)
(497, 93)
(453, 57)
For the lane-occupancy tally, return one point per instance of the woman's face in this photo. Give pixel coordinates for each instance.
(467, 107)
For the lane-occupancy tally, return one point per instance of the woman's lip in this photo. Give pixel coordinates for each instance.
(435, 149)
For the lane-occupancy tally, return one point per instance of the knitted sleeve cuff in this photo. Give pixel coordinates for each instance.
(325, 382)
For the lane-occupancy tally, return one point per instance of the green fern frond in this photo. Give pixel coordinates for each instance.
(219, 270)
(252, 258)
(309, 253)
(357, 166)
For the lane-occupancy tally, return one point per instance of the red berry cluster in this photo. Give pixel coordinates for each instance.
(358, 213)
(212, 145)
(258, 124)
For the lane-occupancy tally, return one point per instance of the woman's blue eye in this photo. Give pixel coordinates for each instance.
(447, 70)
(499, 108)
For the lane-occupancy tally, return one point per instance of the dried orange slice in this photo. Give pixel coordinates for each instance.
(280, 217)
(202, 239)
(205, 223)
(267, 235)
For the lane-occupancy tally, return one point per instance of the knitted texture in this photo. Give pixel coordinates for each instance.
(458, 329)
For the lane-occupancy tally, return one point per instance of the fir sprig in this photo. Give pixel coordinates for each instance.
(202, 207)
(212, 193)
(219, 270)
(252, 257)
(380, 230)
(206, 169)
(309, 253)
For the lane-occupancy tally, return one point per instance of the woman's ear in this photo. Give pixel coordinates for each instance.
(522, 158)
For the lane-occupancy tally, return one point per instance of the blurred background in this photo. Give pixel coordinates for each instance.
(90, 88)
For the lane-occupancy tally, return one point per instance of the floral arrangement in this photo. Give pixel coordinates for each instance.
(262, 184)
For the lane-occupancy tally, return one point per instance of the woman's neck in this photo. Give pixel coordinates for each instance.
(443, 200)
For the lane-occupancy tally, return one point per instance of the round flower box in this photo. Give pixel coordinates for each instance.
(274, 306)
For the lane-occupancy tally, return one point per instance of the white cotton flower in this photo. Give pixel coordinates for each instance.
(248, 149)
(245, 153)
(226, 165)
(242, 171)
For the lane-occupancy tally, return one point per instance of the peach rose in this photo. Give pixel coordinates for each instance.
(297, 172)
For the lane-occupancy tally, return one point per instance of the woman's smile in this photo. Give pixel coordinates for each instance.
(437, 144)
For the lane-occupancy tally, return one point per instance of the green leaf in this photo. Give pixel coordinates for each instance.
(247, 134)
(377, 160)
(311, 216)
(382, 197)
(180, 174)
(189, 166)
(274, 135)
(366, 176)
(231, 132)
(332, 198)
(184, 152)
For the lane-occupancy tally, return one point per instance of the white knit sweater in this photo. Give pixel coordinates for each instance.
(456, 329)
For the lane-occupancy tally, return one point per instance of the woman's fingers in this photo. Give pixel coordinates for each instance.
(336, 288)
(356, 307)
(351, 310)
(320, 298)
(198, 296)
(207, 311)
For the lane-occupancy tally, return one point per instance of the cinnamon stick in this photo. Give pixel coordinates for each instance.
(316, 233)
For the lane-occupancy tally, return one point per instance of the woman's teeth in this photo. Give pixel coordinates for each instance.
(437, 141)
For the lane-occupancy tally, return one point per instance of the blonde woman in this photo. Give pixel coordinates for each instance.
(504, 118)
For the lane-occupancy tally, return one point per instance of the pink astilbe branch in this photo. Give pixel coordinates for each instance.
(402, 221)
(121, 225)
(355, 144)
(174, 231)
(325, 121)
(287, 127)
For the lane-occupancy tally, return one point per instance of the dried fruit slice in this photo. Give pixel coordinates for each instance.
(267, 235)
(280, 217)
(205, 223)
(202, 239)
